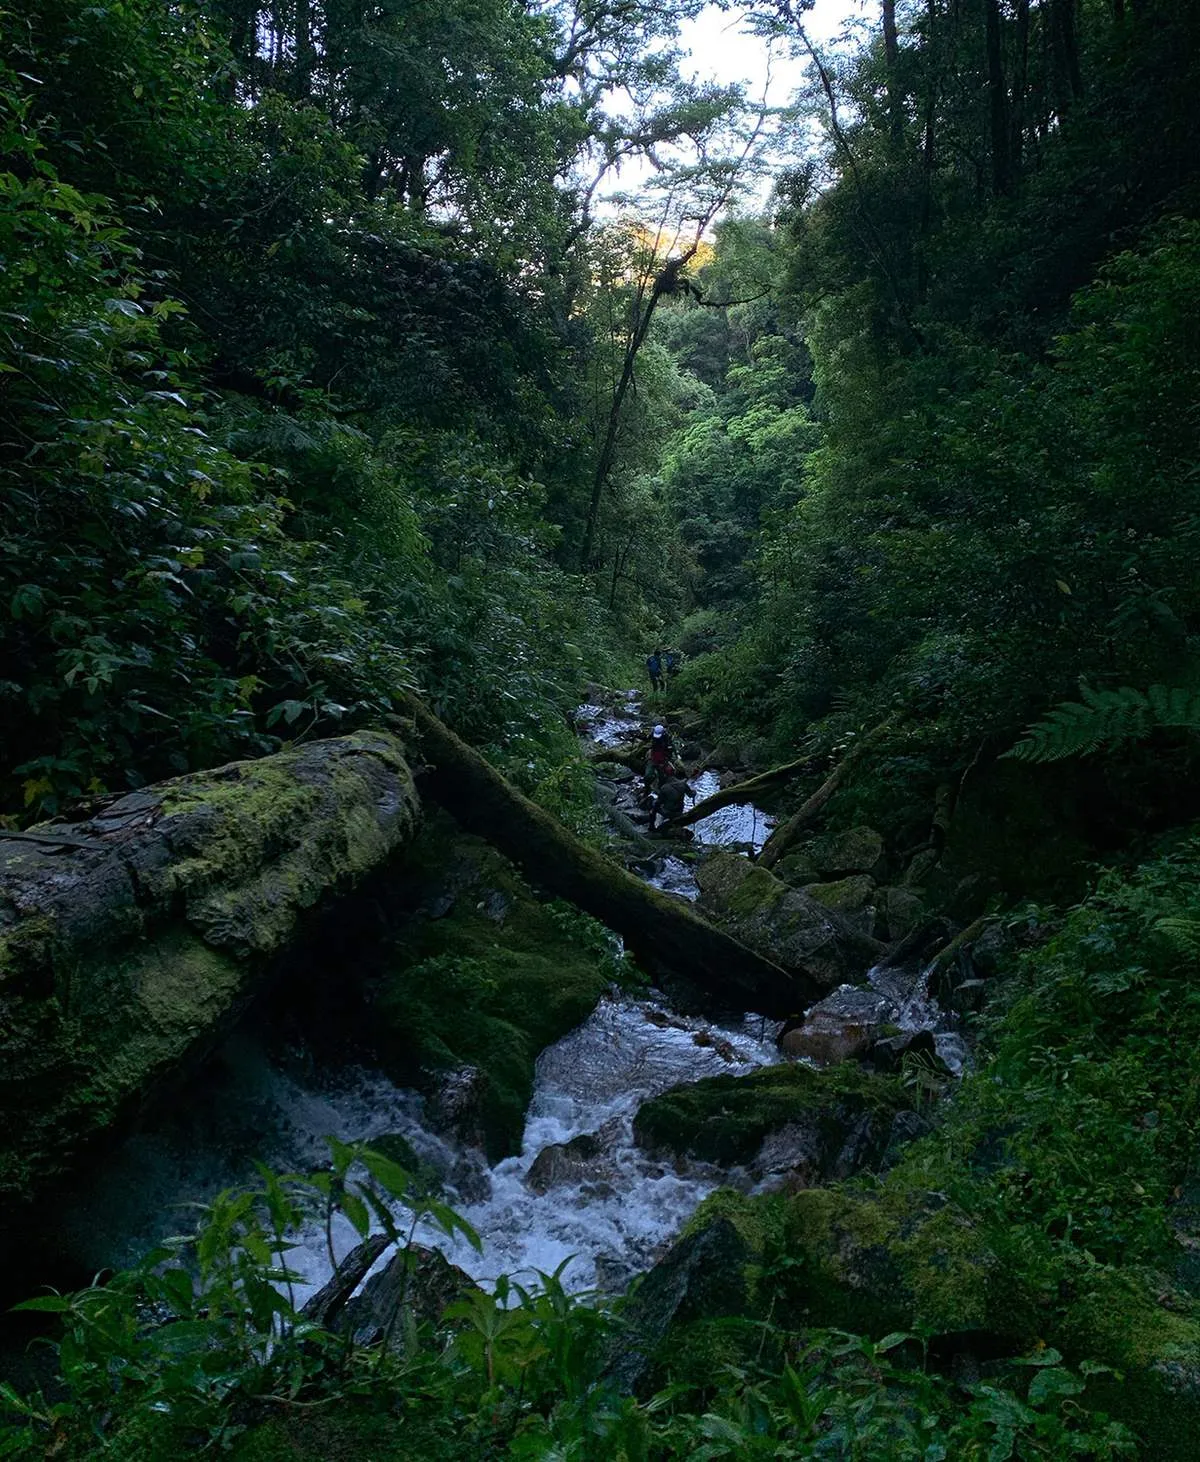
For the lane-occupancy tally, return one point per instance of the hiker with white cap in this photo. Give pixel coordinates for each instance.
(659, 763)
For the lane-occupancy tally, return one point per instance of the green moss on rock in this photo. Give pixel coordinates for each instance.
(127, 950)
(489, 984)
(724, 1119)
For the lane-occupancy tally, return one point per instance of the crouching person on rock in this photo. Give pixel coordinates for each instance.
(660, 759)
(669, 803)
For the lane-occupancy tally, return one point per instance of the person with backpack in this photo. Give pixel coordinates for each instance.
(659, 760)
(668, 805)
(655, 668)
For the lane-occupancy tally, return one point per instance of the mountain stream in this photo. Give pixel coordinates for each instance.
(604, 1220)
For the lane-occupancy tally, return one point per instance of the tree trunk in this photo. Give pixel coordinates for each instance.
(1020, 86)
(608, 449)
(927, 157)
(305, 51)
(891, 48)
(1064, 42)
(662, 933)
(997, 99)
(786, 834)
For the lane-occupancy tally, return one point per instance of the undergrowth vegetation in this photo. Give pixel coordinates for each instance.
(205, 1345)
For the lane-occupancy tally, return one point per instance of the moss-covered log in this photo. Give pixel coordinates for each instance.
(661, 932)
(787, 832)
(130, 942)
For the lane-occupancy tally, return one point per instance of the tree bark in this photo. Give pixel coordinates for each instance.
(927, 157)
(1020, 87)
(786, 834)
(997, 99)
(663, 934)
(612, 430)
(891, 50)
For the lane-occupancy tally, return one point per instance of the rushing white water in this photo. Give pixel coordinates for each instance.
(605, 1219)
(611, 1220)
(611, 725)
(901, 998)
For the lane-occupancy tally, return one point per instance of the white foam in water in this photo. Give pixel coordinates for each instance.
(606, 1225)
(607, 726)
(915, 1009)
(612, 1223)
(675, 876)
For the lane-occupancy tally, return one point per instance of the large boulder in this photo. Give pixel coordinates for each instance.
(785, 924)
(781, 1121)
(416, 1285)
(899, 1258)
(856, 850)
(704, 1274)
(852, 897)
(900, 911)
(131, 941)
(475, 983)
(583, 1158)
(840, 1027)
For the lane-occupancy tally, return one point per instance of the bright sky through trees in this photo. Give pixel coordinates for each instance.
(722, 50)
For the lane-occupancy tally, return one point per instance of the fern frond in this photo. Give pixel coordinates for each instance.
(1182, 934)
(1107, 718)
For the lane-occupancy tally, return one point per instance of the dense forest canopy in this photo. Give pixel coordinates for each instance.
(335, 364)
(319, 358)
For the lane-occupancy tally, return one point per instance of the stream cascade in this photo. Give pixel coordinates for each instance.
(599, 1222)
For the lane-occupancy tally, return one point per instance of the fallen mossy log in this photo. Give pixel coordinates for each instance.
(743, 791)
(131, 941)
(661, 932)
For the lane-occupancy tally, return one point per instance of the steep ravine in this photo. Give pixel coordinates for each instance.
(604, 1205)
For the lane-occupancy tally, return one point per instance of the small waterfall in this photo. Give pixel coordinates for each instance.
(611, 1220)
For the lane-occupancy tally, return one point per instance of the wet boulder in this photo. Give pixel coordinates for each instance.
(326, 1306)
(415, 1286)
(131, 941)
(566, 1162)
(456, 1107)
(785, 924)
(788, 1120)
(888, 1054)
(827, 1045)
(839, 1028)
(838, 854)
(702, 1276)
(853, 897)
(463, 1003)
(798, 869)
(899, 910)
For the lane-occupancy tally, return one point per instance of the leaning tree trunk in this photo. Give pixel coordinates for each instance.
(786, 833)
(660, 931)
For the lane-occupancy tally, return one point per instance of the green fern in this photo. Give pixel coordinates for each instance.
(1182, 934)
(1107, 718)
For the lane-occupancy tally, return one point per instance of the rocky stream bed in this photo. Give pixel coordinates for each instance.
(597, 1187)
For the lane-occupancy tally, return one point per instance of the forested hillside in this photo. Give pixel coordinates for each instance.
(337, 369)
